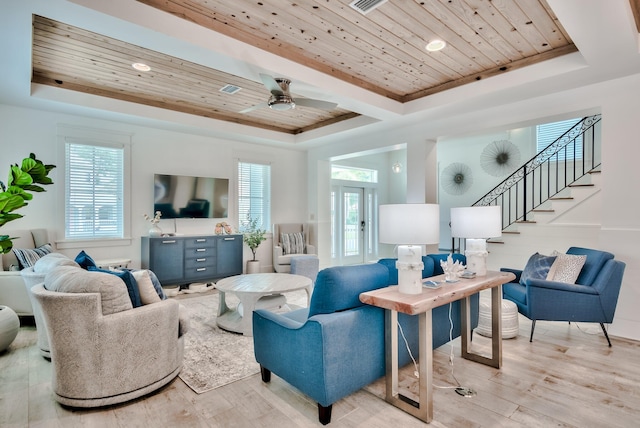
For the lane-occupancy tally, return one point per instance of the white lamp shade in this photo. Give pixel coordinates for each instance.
(476, 222)
(409, 224)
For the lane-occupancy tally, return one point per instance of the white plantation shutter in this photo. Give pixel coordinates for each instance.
(94, 186)
(254, 193)
(549, 132)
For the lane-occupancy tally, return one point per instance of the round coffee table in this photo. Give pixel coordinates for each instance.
(251, 289)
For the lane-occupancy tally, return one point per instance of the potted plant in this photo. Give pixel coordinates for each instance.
(253, 236)
(23, 179)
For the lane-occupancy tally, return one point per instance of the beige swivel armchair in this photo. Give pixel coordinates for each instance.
(103, 351)
(282, 258)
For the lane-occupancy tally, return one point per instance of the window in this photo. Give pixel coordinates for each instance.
(94, 188)
(549, 132)
(254, 194)
(350, 173)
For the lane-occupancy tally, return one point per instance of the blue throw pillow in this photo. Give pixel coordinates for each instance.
(537, 267)
(84, 260)
(129, 280)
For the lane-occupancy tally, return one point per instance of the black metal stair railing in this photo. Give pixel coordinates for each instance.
(575, 154)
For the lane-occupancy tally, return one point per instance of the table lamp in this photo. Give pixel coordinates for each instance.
(476, 224)
(410, 226)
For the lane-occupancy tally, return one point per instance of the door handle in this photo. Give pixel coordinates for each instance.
(362, 226)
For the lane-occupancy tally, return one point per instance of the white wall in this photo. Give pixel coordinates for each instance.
(152, 151)
(467, 149)
(619, 103)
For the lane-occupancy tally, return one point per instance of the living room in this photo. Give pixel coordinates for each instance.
(34, 119)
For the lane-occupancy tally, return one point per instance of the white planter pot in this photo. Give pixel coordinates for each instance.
(9, 327)
(253, 266)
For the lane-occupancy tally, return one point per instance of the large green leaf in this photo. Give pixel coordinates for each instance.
(11, 202)
(6, 218)
(5, 244)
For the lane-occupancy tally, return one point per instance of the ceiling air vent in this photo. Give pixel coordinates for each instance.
(366, 6)
(230, 89)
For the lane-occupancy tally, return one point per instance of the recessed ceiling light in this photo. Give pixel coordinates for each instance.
(436, 45)
(140, 66)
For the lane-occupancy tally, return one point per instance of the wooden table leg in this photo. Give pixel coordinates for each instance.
(423, 408)
(496, 330)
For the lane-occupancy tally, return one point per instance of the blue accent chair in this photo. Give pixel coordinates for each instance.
(593, 298)
(336, 346)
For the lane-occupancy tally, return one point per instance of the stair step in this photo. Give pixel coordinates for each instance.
(582, 185)
(510, 232)
(544, 211)
(525, 221)
(595, 171)
(491, 241)
(566, 198)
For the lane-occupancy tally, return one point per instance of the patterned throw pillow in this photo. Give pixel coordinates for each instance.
(566, 268)
(28, 257)
(537, 267)
(292, 243)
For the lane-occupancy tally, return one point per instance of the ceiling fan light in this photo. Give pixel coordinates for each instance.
(141, 66)
(281, 103)
(436, 45)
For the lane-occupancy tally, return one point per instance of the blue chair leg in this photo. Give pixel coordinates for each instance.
(533, 326)
(324, 414)
(265, 374)
(605, 334)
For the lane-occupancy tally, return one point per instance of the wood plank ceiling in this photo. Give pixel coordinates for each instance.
(382, 51)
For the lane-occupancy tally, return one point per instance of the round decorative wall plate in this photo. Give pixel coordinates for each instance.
(456, 178)
(500, 158)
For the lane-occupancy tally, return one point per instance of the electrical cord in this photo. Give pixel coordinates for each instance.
(415, 364)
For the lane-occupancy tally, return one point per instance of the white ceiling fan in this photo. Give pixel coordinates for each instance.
(282, 100)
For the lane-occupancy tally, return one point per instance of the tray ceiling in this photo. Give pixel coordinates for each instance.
(382, 51)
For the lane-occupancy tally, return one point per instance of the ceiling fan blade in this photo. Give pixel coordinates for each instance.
(271, 84)
(309, 102)
(255, 107)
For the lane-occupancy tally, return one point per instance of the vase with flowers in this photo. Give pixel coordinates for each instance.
(154, 230)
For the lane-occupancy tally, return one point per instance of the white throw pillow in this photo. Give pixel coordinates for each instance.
(52, 260)
(566, 268)
(147, 291)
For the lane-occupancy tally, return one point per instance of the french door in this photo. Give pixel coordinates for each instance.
(353, 224)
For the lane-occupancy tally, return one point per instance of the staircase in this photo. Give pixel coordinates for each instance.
(552, 201)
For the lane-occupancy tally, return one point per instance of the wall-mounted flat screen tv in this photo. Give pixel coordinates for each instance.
(181, 196)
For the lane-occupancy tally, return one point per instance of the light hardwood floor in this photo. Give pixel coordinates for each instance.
(568, 377)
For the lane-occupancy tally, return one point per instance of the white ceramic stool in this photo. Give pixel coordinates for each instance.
(9, 326)
(509, 319)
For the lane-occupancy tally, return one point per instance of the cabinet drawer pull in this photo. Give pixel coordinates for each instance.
(229, 239)
(201, 269)
(173, 241)
(201, 250)
(201, 240)
(201, 260)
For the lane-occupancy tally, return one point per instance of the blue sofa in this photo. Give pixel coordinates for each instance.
(336, 346)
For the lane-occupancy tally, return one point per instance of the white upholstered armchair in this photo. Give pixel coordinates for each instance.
(12, 290)
(296, 243)
(104, 351)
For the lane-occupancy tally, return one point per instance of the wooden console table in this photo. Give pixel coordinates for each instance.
(422, 304)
